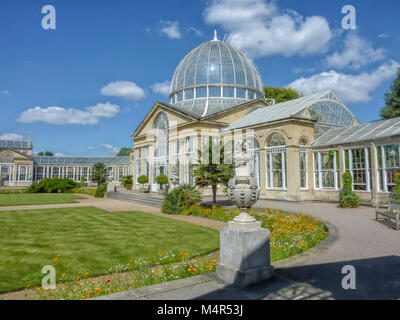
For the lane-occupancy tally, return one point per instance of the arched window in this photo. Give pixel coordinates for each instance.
(161, 136)
(276, 162)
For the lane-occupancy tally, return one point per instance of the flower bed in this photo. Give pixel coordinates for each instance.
(138, 272)
(291, 233)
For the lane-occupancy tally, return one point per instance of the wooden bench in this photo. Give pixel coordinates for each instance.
(392, 212)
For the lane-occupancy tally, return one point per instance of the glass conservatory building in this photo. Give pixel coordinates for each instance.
(300, 148)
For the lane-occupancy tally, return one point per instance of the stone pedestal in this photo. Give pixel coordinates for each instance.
(110, 187)
(245, 255)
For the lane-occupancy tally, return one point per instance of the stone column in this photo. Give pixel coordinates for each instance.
(263, 170)
(374, 177)
(293, 171)
(341, 166)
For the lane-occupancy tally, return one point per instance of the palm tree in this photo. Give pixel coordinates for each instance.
(209, 173)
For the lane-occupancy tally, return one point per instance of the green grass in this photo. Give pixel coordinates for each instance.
(88, 239)
(23, 199)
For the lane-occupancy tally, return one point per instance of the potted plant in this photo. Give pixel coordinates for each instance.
(127, 182)
(143, 179)
(162, 180)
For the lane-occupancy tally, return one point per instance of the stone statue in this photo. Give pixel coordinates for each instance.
(174, 178)
(111, 187)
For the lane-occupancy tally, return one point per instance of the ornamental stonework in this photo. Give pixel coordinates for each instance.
(6, 156)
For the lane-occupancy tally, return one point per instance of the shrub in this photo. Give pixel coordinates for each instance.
(347, 198)
(180, 199)
(396, 189)
(53, 185)
(127, 182)
(162, 179)
(143, 179)
(101, 191)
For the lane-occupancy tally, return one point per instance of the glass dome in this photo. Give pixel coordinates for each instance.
(213, 77)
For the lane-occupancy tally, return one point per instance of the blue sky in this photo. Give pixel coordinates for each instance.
(83, 88)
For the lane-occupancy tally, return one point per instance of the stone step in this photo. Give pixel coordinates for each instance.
(146, 199)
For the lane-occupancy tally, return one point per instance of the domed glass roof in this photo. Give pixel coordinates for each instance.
(213, 77)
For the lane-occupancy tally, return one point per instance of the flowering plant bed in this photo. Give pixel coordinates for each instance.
(291, 233)
(137, 272)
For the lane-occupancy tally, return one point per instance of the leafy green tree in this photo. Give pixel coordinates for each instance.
(162, 180)
(41, 153)
(392, 100)
(209, 172)
(347, 198)
(48, 153)
(123, 152)
(280, 94)
(99, 173)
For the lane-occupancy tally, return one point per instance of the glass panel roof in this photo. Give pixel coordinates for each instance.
(364, 132)
(15, 144)
(80, 160)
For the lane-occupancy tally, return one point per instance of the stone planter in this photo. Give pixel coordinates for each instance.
(142, 189)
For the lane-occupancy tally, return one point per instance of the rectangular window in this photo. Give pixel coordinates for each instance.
(276, 168)
(189, 94)
(179, 96)
(201, 92)
(241, 93)
(303, 169)
(358, 164)
(229, 92)
(326, 170)
(70, 173)
(388, 166)
(23, 172)
(214, 91)
(250, 94)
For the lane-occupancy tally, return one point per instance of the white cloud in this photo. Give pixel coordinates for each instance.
(357, 52)
(58, 115)
(59, 154)
(90, 148)
(350, 88)
(171, 29)
(11, 136)
(161, 87)
(196, 31)
(383, 35)
(261, 28)
(4, 92)
(123, 89)
(111, 149)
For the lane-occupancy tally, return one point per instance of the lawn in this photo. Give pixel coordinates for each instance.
(87, 239)
(22, 199)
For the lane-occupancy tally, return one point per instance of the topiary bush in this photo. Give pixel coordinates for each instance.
(143, 179)
(53, 185)
(162, 179)
(101, 191)
(347, 198)
(180, 199)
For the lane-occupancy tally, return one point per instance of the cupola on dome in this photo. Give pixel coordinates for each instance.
(213, 77)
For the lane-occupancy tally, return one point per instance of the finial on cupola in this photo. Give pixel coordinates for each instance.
(215, 35)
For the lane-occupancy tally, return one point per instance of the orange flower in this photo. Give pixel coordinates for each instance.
(99, 290)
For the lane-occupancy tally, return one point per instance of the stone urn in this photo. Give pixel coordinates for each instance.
(243, 190)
